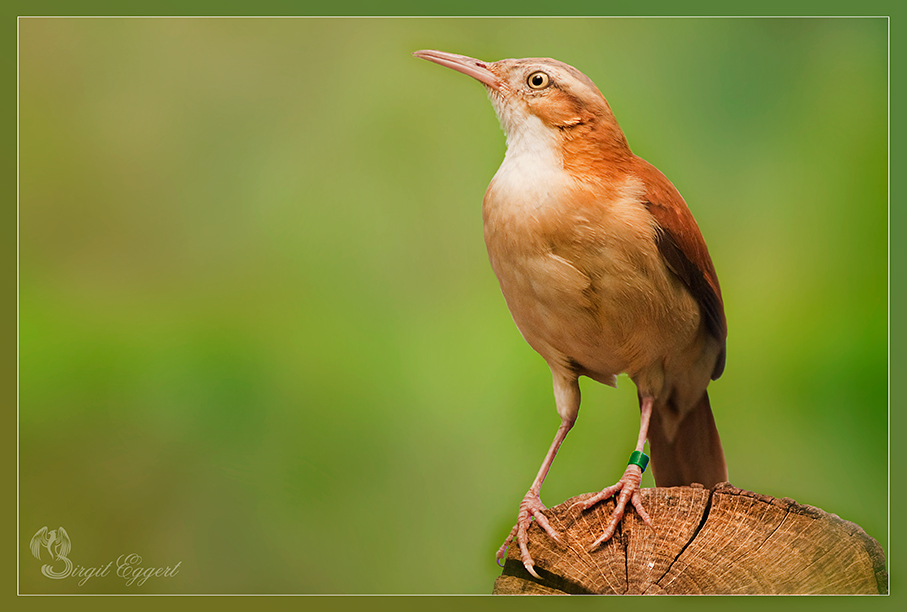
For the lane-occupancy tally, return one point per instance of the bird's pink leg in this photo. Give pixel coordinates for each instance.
(628, 485)
(532, 507)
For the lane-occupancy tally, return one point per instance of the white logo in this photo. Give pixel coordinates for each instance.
(58, 546)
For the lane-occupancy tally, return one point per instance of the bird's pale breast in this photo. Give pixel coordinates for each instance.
(581, 273)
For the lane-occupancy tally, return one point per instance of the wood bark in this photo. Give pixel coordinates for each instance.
(719, 541)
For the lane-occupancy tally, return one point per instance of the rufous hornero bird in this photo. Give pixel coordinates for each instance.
(604, 271)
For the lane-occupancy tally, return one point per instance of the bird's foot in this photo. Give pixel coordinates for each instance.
(531, 507)
(628, 485)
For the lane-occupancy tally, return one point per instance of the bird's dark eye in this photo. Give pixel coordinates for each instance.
(538, 80)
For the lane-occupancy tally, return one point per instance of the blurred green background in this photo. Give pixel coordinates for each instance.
(259, 334)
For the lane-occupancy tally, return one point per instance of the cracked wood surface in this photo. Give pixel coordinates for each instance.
(724, 540)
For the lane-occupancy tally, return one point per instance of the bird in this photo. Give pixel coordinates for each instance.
(605, 272)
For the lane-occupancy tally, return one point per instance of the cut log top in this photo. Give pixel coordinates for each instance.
(719, 541)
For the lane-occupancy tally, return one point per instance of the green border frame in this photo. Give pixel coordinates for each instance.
(897, 286)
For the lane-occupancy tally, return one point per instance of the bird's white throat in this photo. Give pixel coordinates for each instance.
(533, 164)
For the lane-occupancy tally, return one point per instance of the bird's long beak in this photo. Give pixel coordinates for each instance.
(477, 69)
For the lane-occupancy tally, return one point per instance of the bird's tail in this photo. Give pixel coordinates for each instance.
(694, 454)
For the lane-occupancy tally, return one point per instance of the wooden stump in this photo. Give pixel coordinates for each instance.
(719, 541)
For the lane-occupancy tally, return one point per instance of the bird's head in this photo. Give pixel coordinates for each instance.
(541, 98)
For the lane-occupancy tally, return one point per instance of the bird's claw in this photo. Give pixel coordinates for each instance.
(531, 507)
(628, 485)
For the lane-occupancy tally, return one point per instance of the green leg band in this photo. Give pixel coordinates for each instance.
(640, 459)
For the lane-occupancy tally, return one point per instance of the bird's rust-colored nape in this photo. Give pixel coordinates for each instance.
(604, 271)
